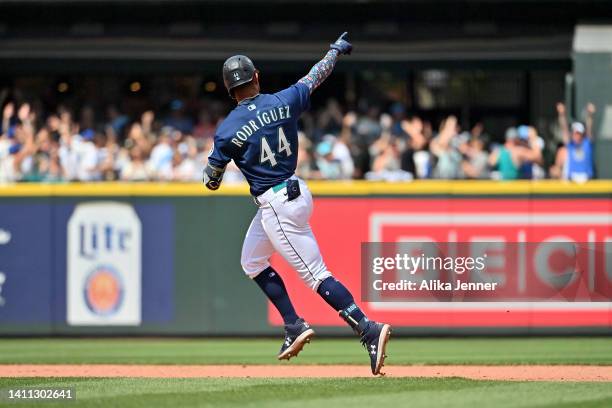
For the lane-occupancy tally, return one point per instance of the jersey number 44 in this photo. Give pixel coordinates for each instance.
(268, 155)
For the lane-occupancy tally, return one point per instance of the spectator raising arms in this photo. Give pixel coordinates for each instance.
(334, 144)
(518, 154)
(445, 147)
(574, 161)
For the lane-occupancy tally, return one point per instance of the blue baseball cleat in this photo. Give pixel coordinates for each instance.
(375, 339)
(296, 336)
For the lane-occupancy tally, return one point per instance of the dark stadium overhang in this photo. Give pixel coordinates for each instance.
(188, 54)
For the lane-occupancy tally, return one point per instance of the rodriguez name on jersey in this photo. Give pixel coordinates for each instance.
(264, 118)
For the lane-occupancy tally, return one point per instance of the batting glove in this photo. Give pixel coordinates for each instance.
(342, 45)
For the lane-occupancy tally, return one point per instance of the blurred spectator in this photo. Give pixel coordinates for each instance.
(329, 121)
(329, 167)
(7, 114)
(414, 158)
(135, 137)
(160, 163)
(205, 128)
(306, 167)
(116, 120)
(87, 156)
(505, 158)
(530, 154)
(177, 118)
(342, 152)
(334, 159)
(475, 159)
(135, 169)
(85, 144)
(574, 161)
(364, 130)
(446, 148)
(108, 150)
(386, 164)
(398, 116)
(185, 163)
(518, 154)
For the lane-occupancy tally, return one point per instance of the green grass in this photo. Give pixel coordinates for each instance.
(581, 350)
(298, 393)
(294, 393)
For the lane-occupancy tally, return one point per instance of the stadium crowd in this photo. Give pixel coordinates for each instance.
(84, 145)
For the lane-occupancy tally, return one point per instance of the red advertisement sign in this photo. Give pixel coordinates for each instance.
(487, 271)
(341, 225)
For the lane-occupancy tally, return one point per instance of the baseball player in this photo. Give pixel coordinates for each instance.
(260, 136)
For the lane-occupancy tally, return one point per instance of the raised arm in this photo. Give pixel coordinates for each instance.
(562, 121)
(322, 69)
(590, 112)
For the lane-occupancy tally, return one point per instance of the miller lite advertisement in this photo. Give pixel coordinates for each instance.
(104, 259)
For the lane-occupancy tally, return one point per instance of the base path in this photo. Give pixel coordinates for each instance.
(513, 373)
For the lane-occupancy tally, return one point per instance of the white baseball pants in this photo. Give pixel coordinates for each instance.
(282, 226)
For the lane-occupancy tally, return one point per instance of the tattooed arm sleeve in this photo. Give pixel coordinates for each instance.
(320, 71)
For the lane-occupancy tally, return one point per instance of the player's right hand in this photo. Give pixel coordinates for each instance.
(342, 44)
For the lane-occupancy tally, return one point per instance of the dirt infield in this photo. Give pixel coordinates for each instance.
(512, 373)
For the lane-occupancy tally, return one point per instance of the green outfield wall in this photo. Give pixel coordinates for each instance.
(164, 259)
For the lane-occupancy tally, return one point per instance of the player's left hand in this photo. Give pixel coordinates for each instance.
(342, 44)
(212, 176)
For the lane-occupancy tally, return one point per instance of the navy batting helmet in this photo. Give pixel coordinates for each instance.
(237, 70)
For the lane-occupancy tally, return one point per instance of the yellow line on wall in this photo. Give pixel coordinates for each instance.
(334, 188)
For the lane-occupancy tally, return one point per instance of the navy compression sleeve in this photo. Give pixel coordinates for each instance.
(320, 71)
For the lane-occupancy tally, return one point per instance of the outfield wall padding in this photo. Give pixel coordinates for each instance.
(164, 259)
